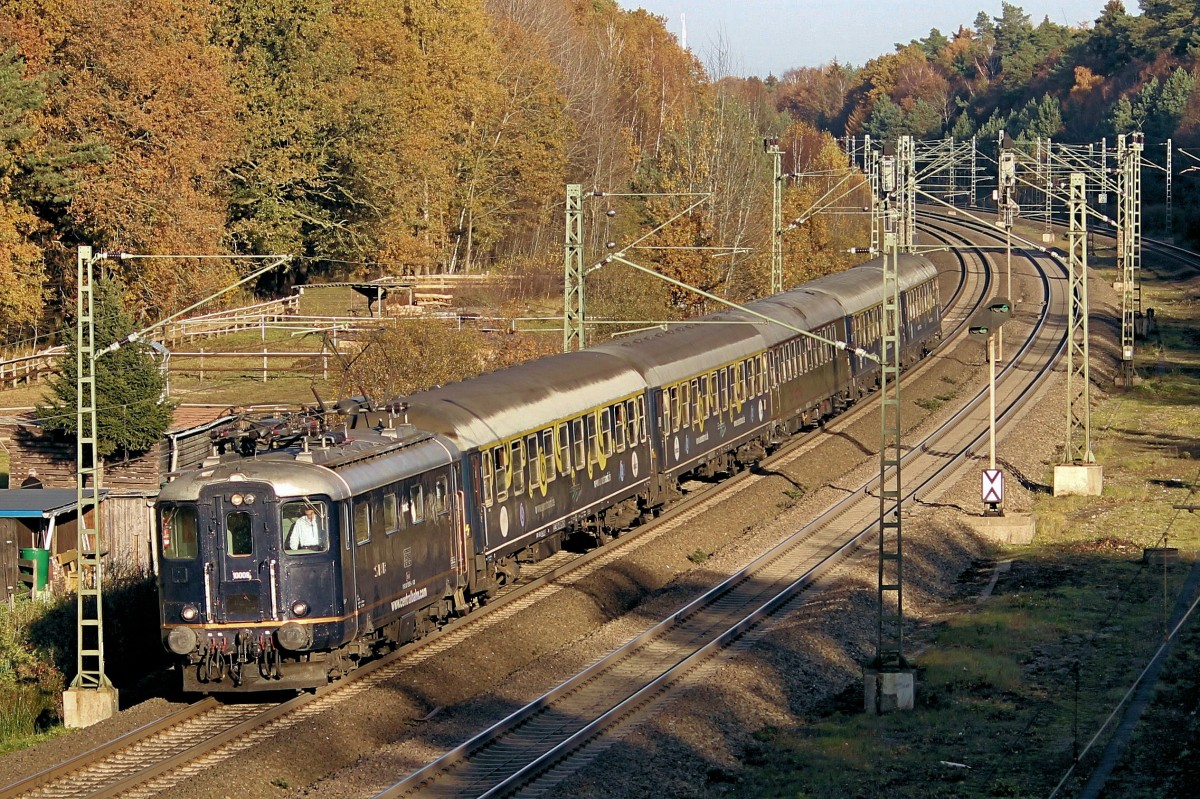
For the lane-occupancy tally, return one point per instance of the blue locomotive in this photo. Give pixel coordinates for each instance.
(284, 566)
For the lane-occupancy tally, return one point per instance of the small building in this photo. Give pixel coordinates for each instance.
(38, 519)
(38, 458)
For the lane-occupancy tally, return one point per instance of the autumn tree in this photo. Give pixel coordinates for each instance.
(132, 410)
(142, 78)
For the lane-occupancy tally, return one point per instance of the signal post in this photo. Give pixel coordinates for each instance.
(995, 523)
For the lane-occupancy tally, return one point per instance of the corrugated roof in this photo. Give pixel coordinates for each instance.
(35, 503)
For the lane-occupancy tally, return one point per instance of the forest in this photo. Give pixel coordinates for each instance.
(369, 138)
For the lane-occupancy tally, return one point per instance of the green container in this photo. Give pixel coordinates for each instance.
(41, 566)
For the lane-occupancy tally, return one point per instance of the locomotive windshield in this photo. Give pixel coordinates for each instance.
(178, 530)
(305, 527)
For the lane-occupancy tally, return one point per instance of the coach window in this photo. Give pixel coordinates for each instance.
(685, 406)
(562, 448)
(619, 426)
(416, 502)
(723, 388)
(547, 454)
(589, 423)
(772, 370)
(503, 475)
(739, 383)
(518, 467)
(178, 532)
(391, 514)
(537, 464)
(606, 438)
(641, 419)
(672, 415)
(240, 538)
(631, 422)
(580, 443)
(698, 413)
(362, 521)
(486, 476)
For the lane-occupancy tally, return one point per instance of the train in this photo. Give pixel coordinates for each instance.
(302, 547)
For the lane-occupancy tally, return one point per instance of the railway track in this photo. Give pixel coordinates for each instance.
(184, 745)
(533, 750)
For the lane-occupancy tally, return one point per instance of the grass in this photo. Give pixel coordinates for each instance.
(1009, 690)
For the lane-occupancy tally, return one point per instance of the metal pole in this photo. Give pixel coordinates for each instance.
(889, 652)
(89, 600)
(1078, 448)
(1169, 176)
(573, 293)
(992, 400)
(776, 219)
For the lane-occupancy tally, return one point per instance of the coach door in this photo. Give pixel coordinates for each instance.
(245, 564)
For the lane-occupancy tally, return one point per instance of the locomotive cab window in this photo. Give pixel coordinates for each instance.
(239, 533)
(178, 532)
(305, 527)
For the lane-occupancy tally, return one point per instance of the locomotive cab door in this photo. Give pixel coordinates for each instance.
(243, 577)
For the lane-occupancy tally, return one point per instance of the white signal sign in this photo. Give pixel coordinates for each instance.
(993, 487)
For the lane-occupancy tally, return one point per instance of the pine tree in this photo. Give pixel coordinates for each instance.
(132, 412)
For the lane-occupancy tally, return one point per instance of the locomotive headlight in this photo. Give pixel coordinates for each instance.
(250, 499)
(189, 613)
(236, 499)
(299, 608)
(294, 637)
(181, 640)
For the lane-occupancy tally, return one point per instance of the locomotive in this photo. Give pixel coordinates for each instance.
(284, 566)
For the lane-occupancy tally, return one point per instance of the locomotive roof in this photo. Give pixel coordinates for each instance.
(338, 471)
(502, 404)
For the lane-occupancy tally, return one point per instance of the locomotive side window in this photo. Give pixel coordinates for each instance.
(416, 503)
(304, 527)
(362, 521)
(178, 531)
(391, 518)
(240, 540)
(441, 499)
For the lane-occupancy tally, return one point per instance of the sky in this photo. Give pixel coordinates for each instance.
(762, 37)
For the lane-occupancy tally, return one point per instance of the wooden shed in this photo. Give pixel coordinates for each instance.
(37, 519)
(130, 485)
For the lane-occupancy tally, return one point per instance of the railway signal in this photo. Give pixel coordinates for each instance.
(988, 321)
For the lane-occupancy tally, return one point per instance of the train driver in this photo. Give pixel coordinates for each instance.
(306, 532)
